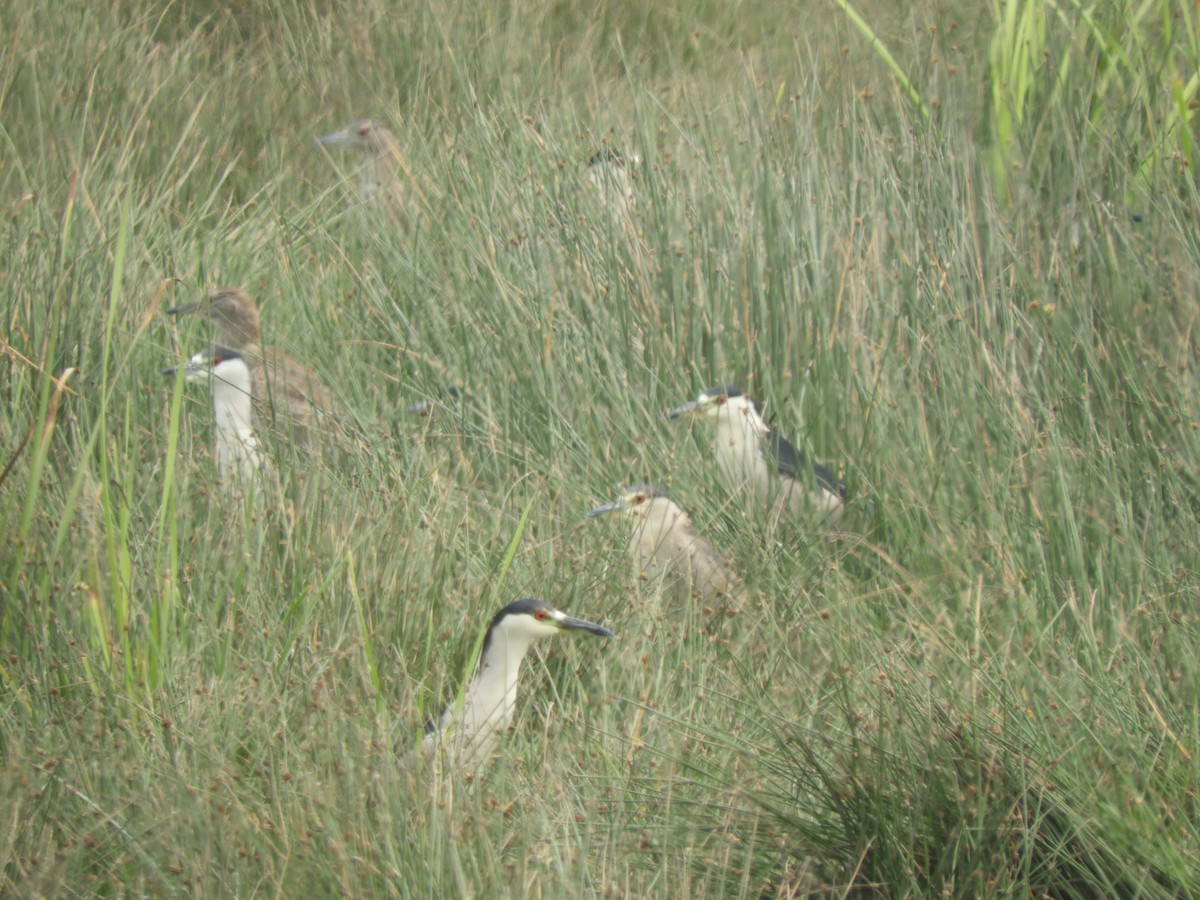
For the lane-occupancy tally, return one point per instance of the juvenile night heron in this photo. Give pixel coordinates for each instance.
(665, 546)
(381, 157)
(239, 456)
(281, 387)
(471, 731)
(749, 453)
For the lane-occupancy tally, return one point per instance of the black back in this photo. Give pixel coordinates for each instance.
(791, 462)
(606, 155)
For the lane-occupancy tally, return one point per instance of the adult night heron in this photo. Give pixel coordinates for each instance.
(470, 731)
(381, 157)
(239, 456)
(612, 175)
(281, 386)
(749, 453)
(666, 547)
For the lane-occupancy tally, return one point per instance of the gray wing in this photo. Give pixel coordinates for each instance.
(710, 574)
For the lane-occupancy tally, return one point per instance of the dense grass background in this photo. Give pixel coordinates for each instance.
(983, 316)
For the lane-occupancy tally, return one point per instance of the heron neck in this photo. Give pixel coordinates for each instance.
(231, 402)
(492, 698)
(660, 520)
(239, 331)
(742, 421)
(740, 433)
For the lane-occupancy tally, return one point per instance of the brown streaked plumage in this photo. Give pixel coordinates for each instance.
(287, 395)
(382, 158)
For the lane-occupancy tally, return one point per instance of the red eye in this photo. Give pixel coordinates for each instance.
(720, 401)
(640, 498)
(540, 615)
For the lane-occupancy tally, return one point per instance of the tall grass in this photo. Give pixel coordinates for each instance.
(987, 684)
(1117, 73)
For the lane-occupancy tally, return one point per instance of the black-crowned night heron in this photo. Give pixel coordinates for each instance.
(381, 158)
(239, 456)
(750, 454)
(470, 731)
(612, 175)
(666, 547)
(283, 389)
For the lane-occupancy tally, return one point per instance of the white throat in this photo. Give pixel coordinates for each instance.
(740, 433)
(491, 699)
(238, 453)
(653, 528)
